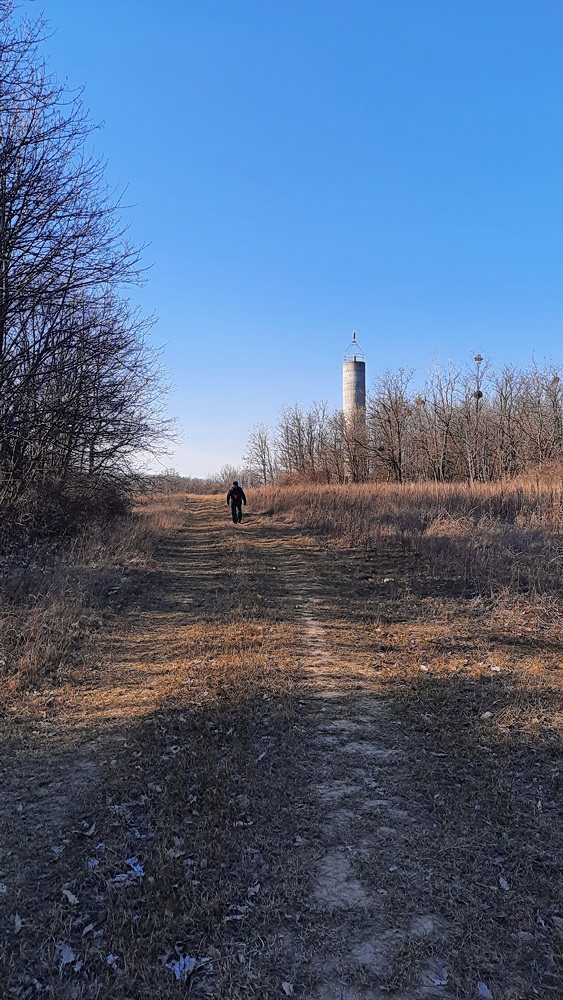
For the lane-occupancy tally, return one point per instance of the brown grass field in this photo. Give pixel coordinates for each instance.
(317, 755)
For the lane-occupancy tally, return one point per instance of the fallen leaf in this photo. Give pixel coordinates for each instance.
(18, 923)
(253, 889)
(503, 883)
(175, 852)
(487, 715)
(183, 967)
(136, 868)
(117, 879)
(66, 954)
(436, 972)
(484, 991)
(73, 900)
(88, 833)
(288, 989)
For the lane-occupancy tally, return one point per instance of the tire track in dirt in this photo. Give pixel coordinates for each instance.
(354, 772)
(358, 772)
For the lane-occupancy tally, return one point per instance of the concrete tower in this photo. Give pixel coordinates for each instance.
(354, 382)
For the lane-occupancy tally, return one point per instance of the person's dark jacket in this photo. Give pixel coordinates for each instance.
(237, 500)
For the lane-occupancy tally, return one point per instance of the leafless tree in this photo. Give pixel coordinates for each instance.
(259, 457)
(79, 387)
(467, 424)
(434, 423)
(390, 417)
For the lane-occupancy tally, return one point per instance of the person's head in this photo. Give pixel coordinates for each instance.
(235, 482)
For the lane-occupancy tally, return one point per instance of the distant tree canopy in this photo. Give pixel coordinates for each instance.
(79, 386)
(471, 424)
(170, 481)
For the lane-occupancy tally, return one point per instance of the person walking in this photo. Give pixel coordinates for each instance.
(236, 498)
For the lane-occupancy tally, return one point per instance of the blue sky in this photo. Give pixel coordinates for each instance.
(305, 168)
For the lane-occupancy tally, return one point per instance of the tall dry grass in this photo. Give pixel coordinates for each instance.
(55, 594)
(494, 538)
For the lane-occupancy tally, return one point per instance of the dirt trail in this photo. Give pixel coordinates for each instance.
(235, 746)
(359, 776)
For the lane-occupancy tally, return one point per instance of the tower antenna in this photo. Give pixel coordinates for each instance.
(354, 380)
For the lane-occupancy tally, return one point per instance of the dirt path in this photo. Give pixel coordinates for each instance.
(358, 780)
(229, 806)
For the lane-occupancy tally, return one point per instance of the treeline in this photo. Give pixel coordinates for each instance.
(171, 481)
(471, 424)
(79, 386)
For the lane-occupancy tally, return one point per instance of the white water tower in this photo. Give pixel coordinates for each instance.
(354, 381)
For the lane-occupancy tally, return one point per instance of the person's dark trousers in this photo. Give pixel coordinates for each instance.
(236, 511)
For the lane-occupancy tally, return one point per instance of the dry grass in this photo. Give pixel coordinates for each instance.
(55, 596)
(449, 599)
(490, 538)
(206, 754)
(483, 722)
(191, 780)
(188, 795)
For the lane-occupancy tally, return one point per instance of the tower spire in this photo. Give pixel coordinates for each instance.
(354, 380)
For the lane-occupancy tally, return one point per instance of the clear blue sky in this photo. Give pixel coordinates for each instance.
(304, 168)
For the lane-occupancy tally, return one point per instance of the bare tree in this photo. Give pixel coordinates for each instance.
(468, 424)
(79, 387)
(390, 414)
(434, 423)
(260, 456)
